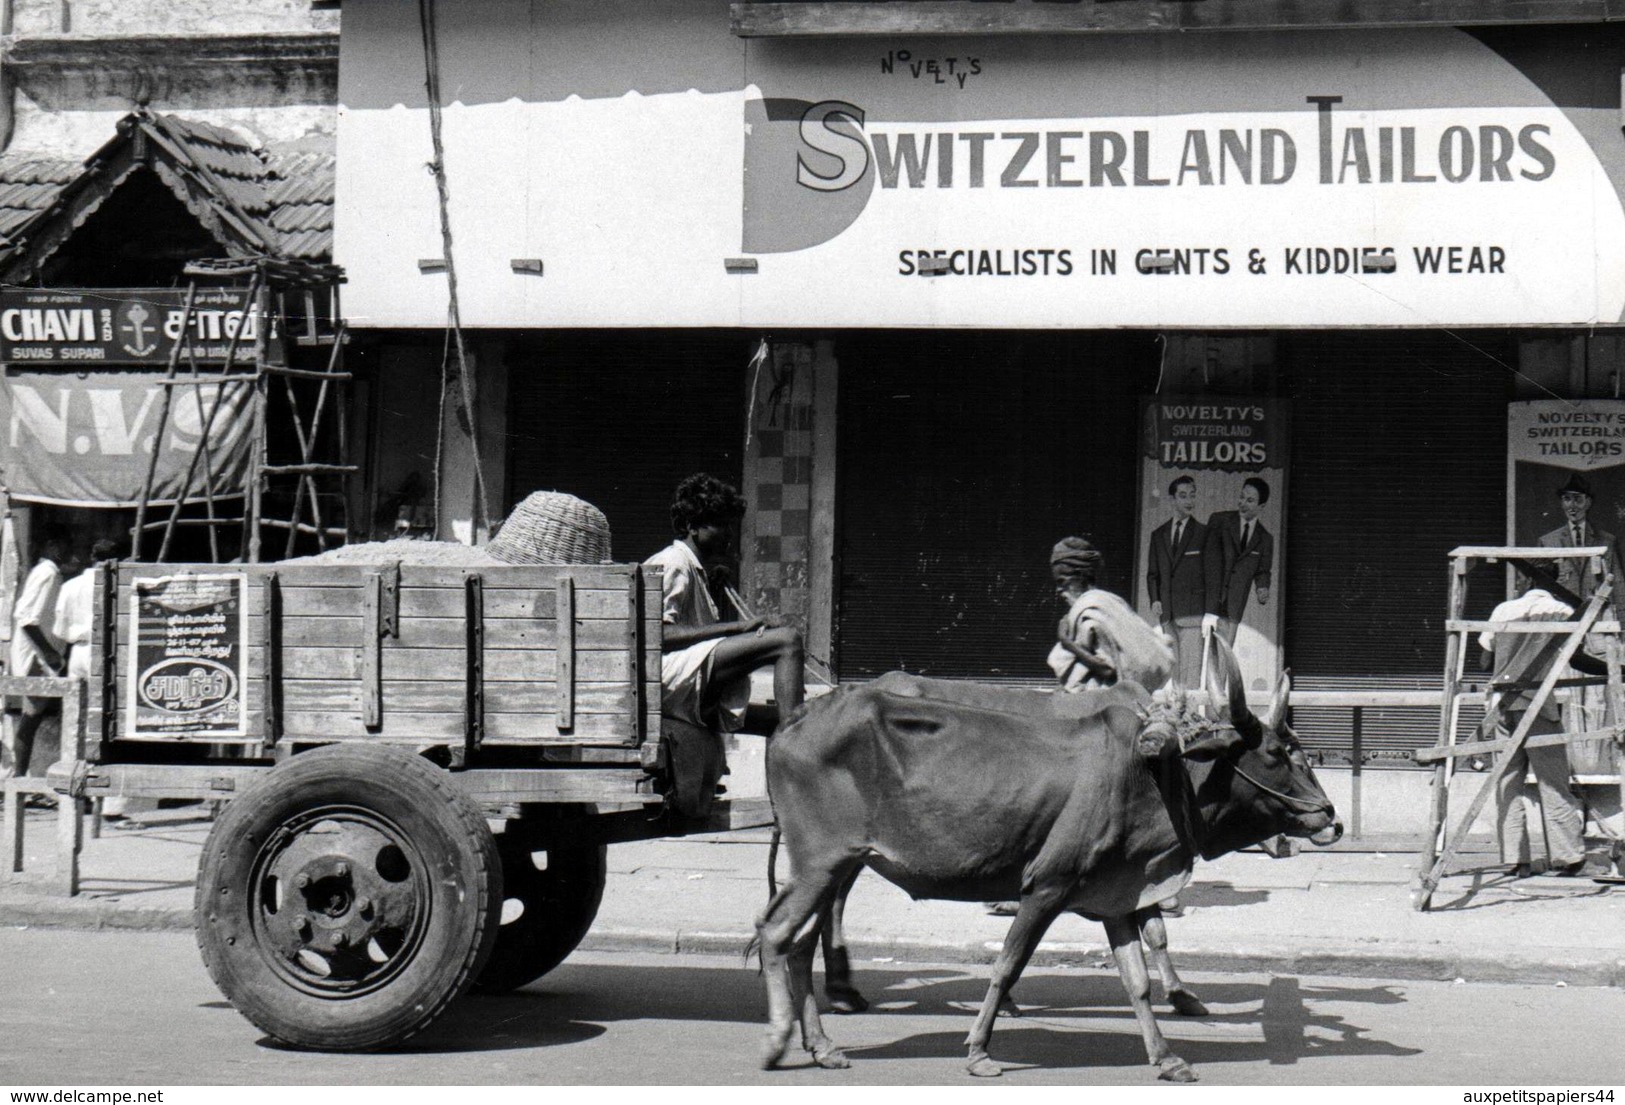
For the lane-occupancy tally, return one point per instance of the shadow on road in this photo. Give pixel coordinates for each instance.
(1212, 894)
(577, 1003)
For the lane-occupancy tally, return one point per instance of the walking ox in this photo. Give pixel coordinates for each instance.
(1096, 803)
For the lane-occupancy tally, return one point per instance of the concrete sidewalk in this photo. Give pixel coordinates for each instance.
(1323, 912)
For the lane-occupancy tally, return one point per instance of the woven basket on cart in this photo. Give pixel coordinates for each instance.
(551, 527)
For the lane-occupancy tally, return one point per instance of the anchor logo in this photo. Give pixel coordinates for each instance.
(135, 325)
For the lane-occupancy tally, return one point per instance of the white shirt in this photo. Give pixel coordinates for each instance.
(685, 673)
(36, 605)
(686, 600)
(75, 608)
(1534, 605)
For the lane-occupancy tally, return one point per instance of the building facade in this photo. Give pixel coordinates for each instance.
(139, 138)
(929, 280)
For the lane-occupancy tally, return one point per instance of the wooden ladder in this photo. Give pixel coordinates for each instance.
(286, 296)
(1439, 849)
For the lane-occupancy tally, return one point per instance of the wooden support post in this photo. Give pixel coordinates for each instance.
(565, 652)
(70, 809)
(372, 643)
(1439, 798)
(1356, 764)
(14, 827)
(102, 720)
(1615, 715)
(634, 649)
(392, 599)
(474, 663)
(260, 447)
(139, 529)
(271, 686)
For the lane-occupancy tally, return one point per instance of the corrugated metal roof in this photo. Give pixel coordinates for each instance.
(284, 196)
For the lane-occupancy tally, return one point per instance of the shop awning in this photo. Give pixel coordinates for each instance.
(767, 18)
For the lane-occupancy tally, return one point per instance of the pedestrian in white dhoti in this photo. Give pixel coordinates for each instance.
(35, 650)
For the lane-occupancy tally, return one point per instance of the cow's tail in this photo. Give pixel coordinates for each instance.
(773, 863)
(773, 903)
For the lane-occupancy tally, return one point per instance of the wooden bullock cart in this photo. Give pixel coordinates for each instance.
(423, 765)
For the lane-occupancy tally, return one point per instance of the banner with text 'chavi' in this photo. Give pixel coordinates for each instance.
(87, 440)
(1212, 532)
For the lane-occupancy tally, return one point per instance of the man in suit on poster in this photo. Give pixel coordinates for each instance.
(1182, 581)
(1246, 552)
(1583, 577)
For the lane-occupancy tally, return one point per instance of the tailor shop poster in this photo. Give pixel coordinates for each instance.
(1220, 464)
(1548, 442)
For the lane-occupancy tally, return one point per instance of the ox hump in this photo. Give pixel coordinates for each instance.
(1016, 701)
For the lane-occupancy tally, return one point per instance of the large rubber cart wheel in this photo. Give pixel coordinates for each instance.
(546, 911)
(345, 899)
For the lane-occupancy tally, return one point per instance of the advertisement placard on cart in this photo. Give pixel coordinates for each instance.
(188, 647)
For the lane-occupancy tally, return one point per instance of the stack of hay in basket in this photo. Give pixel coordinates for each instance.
(551, 527)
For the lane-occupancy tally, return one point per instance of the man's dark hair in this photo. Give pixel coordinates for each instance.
(703, 499)
(1259, 486)
(1173, 488)
(104, 549)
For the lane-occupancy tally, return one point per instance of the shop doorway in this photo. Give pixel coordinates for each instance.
(1398, 456)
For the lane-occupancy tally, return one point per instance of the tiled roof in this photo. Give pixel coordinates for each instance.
(28, 187)
(279, 201)
(301, 198)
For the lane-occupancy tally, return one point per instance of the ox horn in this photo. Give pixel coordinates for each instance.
(1225, 689)
(1278, 701)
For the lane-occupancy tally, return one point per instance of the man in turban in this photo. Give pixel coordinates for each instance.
(1101, 639)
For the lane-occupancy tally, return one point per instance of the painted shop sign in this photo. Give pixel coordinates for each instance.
(188, 646)
(84, 439)
(1235, 180)
(1212, 532)
(83, 327)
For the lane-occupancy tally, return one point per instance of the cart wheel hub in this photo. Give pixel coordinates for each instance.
(354, 893)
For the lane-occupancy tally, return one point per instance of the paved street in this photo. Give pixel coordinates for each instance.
(137, 1008)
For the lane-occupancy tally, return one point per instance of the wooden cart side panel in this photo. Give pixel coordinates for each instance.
(421, 675)
(652, 609)
(503, 577)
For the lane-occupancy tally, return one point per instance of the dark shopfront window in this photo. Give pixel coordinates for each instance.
(963, 457)
(87, 525)
(1398, 456)
(619, 417)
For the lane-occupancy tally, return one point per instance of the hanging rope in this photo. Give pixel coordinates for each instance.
(754, 367)
(468, 414)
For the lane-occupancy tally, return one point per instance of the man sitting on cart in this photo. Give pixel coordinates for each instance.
(707, 662)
